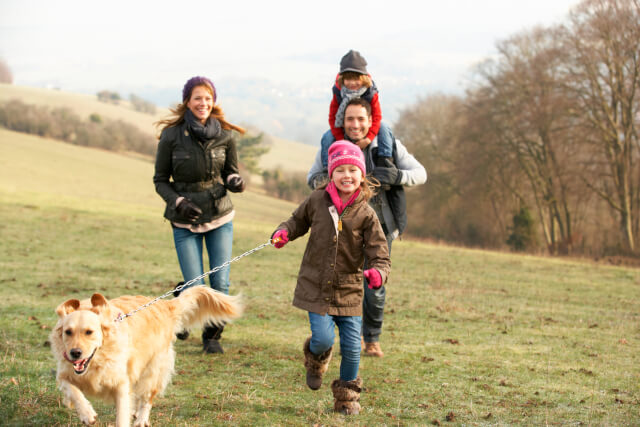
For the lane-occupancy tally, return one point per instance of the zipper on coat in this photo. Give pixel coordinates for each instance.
(340, 218)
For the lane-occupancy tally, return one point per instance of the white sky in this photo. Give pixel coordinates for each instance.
(88, 45)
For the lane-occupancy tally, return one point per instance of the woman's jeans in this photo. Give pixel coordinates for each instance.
(323, 335)
(189, 250)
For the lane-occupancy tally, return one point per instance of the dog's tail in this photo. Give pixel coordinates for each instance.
(199, 305)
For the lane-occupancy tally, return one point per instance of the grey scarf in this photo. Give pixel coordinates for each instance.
(347, 95)
(205, 132)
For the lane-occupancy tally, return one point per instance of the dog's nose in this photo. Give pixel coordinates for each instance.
(75, 353)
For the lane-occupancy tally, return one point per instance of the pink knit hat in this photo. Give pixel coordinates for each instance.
(345, 153)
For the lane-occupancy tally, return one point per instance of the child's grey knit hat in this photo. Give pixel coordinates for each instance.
(353, 61)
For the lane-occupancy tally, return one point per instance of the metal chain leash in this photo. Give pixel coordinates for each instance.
(121, 316)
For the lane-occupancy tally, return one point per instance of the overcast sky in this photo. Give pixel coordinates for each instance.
(85, 46)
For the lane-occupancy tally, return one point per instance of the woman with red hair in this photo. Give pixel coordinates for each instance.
(196, 164)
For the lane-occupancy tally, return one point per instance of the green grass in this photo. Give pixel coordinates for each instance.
(471, 337)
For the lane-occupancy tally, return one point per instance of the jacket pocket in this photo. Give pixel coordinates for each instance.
(218, 156)
(181, 164)
(349, 290)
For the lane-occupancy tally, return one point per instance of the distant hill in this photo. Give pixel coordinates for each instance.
(81, 104)
(294, 156)
(49, 171)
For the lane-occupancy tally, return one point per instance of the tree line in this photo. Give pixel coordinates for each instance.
(137, 102)
(542, 151)
(65, 125)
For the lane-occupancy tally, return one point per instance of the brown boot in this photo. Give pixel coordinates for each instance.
(316, 365)
(373, 349)
(347, 396)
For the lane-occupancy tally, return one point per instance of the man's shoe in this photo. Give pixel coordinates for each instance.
(373, 349)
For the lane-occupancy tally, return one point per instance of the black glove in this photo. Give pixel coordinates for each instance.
(175, 291)
(390, 175)
(236, 184)
(188, 210)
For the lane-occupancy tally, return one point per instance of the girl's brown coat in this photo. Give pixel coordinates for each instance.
(330, 278)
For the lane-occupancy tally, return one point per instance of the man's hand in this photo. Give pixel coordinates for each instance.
(188, 210)
(390, 176)
(363, 143)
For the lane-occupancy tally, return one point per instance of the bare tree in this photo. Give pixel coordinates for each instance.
(524, 106)
(457, 204)
(602, 42)
(424, 129)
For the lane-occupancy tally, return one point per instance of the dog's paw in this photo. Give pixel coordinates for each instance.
(89, 418)
(141, 416)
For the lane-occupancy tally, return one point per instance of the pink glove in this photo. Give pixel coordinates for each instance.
(373, 277)
(280, 238)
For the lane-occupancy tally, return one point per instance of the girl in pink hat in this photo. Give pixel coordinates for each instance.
(344, 230)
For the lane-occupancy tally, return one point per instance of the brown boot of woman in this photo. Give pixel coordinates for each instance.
(347, 396)
(316, 365)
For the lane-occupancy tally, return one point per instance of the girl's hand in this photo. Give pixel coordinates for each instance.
(373, 277)
(280, 238)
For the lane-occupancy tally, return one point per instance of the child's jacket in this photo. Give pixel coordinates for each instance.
(330, 278)
(371, 96)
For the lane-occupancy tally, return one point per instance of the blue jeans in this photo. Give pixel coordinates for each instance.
(385, 143)
(373, 307)
(189, 250)
(323, 334)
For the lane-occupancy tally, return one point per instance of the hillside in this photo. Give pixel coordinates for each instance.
(471, 337)
(296, 156)
(83, 105)
(51, 171)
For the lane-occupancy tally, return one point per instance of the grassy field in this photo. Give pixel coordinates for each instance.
(471, 337)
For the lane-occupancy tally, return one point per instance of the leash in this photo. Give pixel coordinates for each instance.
(121, 316)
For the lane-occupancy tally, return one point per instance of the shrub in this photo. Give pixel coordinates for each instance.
(522, 235)
(108, 96)
(141, 105)
(63, 124)
(288, 186)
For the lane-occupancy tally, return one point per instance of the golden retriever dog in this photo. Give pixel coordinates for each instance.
(128, 362)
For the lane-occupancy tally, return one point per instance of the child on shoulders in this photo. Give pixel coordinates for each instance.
(353, 81)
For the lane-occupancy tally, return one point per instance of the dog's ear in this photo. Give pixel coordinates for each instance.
(101, 307)
(67, 307)
(99, 302)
